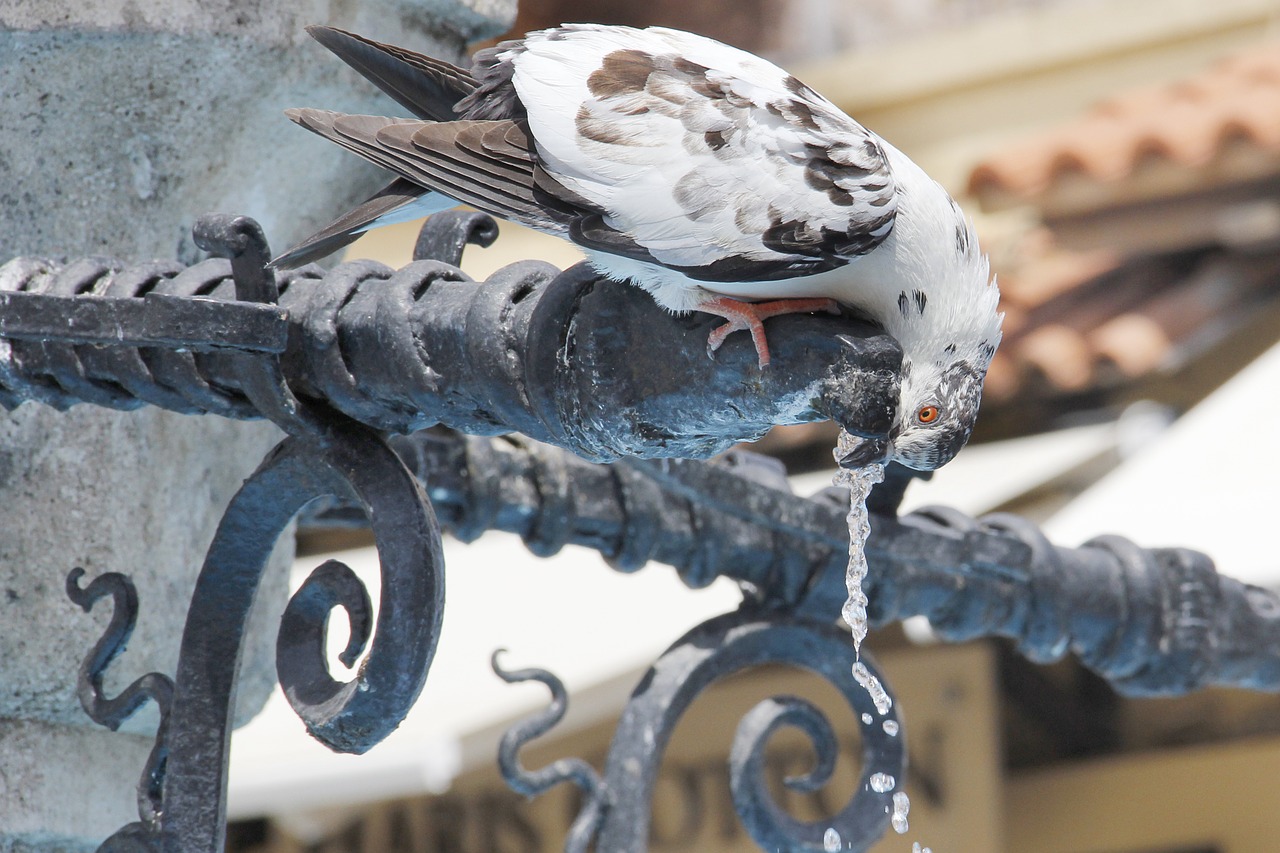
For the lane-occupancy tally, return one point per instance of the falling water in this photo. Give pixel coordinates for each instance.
(879, 696)
(859, 482)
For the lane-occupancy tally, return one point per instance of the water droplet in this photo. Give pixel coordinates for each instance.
(831, 841)
(901, 805)
(866, 719)
(881, 783)
(874, 688)
(890, 727)
(916, 848)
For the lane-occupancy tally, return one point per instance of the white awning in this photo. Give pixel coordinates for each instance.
(1209, 482)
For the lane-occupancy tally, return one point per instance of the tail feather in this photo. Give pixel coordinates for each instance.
(441, 159)
(428, 87)
(488, 164)
(400, 201)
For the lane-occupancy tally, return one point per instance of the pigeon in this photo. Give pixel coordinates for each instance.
(703, 174)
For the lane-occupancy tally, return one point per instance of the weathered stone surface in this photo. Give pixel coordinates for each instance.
(266, 21)
(45, 768)
(116, 139)
(139, 493)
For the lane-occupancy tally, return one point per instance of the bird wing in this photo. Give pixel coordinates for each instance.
(697, 156)
(429, 88)
(651, 144)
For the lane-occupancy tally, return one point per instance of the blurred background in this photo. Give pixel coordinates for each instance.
(1121, 161)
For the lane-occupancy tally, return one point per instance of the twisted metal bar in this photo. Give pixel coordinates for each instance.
(589, 365)
(1152, 621)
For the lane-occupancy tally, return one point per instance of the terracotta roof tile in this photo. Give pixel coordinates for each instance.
(1040, 271)
(1125, 321)
(1218, 121)
(1135, 343)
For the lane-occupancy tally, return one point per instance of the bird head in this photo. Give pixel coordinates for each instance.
(946, 352)
(936, 414)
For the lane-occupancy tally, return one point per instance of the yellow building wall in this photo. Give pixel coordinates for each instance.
(1215, 799)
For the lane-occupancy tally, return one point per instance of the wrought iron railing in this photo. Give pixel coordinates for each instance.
(342, 359)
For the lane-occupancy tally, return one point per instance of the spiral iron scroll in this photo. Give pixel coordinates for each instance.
(183, 791)
(620, 803)
(182, 796)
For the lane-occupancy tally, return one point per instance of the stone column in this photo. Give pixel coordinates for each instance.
(122, 123)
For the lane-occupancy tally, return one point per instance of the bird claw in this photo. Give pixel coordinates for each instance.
(721, 333)
(750, 317)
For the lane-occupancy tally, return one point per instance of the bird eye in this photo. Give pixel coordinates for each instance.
(927, 414)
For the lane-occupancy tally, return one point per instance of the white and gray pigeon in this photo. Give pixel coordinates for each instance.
(705, 175)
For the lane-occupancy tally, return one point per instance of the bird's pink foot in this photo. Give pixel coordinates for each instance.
(750, 316)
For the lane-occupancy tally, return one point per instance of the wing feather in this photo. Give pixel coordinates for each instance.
(706, 159)
(654, 145)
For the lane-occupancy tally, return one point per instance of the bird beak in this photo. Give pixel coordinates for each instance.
(868, 450)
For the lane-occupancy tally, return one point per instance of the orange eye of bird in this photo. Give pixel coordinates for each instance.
(927, 414)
